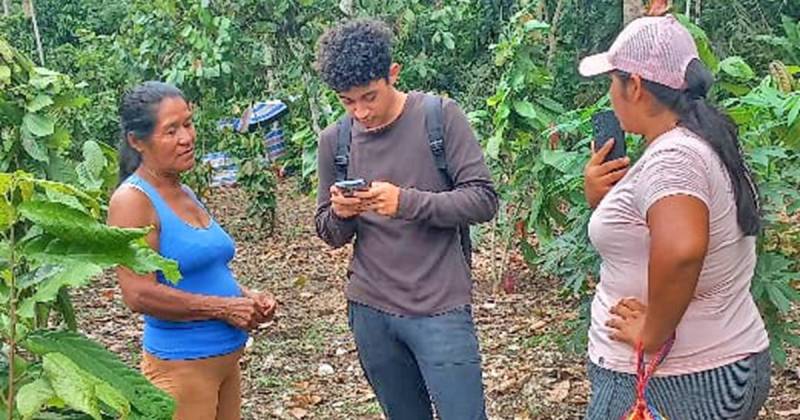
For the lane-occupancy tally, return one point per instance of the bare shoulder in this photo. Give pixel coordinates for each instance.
(130, 207)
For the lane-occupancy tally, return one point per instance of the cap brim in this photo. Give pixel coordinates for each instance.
(595, 65)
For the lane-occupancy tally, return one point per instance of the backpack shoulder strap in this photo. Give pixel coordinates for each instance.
(434, 125)
(343, 136)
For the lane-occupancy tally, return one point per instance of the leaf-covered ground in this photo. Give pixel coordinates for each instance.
(304, 365)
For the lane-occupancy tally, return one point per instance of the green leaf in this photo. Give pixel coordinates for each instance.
(72, 385)
(65, 199)
(536, 25)
(94, 158)
(703, 43)
(37, 125)
(145, 399)
(778, 299)
(137, 256)
(777, 352)
(65, 308)
(525, 109)
(33, 397)
(70, 224)
(34, 148)
(736, 67)
(113, 398)
(71, 275)
(87, 200)
(6, 182)
(40, 102)
(5, 75)
(449, 43)
(735, 88)
(493, 146)
(7, 214)
(60, 139)
(551, 104)
(794, 112)
(560, 160)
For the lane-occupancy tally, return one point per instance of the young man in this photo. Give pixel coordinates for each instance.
(410, 288)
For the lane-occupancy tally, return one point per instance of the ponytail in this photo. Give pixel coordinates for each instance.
(718, 130)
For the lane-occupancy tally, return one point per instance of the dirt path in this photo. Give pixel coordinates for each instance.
(304, 365)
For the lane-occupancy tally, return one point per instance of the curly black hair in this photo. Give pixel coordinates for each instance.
(354, 54)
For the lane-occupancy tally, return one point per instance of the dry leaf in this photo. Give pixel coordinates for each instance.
(795, 412)
(559, 392)
(298, 413)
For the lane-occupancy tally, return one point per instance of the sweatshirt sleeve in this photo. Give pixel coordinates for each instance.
(332, 229)
(473, 198)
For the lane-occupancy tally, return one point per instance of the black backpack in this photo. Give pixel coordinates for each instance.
(434, 124)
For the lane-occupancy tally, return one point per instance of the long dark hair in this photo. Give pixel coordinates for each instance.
(138, 114)
(718, 130)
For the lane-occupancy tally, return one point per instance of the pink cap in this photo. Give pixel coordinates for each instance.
(658, 49)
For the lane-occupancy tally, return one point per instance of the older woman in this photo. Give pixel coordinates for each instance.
(194, 332)
(677, 236)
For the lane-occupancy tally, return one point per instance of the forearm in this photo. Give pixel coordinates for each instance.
(472, 203)
(170, 304)
(671, 286)
(333, 230)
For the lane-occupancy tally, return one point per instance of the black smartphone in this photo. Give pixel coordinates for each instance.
(606, 126)
(350, 186)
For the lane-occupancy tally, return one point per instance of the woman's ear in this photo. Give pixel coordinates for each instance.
(635, 88)
(133, 142)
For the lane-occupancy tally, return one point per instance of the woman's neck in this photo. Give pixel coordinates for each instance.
(659, 125)
(159, 179)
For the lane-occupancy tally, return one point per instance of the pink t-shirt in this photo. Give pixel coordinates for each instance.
(722, 323)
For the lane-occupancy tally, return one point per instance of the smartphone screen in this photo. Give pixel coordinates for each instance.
(606, 126)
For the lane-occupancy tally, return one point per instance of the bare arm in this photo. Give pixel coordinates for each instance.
(673, 199)
(144, 294)
(678, 245)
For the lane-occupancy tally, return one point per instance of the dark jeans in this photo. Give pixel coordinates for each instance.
(410, 361)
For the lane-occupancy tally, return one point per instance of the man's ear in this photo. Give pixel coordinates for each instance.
(394, 73)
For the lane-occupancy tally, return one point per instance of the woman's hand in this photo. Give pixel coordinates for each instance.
(627, 322)
(242, 313)
(265, 302)
(599, 177)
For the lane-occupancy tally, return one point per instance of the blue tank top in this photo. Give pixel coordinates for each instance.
(203, 255)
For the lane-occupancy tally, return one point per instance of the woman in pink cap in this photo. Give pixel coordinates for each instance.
(677, 236)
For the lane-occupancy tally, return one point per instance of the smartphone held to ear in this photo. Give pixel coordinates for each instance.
(350, 186)
(606, 127)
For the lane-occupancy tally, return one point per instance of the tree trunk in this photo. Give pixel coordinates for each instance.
(6, 9)
(698, 6)
(553, 41)
(631, 9)
(30, 10)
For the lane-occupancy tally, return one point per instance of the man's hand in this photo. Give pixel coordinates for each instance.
(600, 177)
(382, 198)
(345, 207)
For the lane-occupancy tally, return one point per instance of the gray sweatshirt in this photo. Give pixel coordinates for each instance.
(411, 264)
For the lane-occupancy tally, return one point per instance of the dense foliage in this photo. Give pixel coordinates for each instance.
(510, 63)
